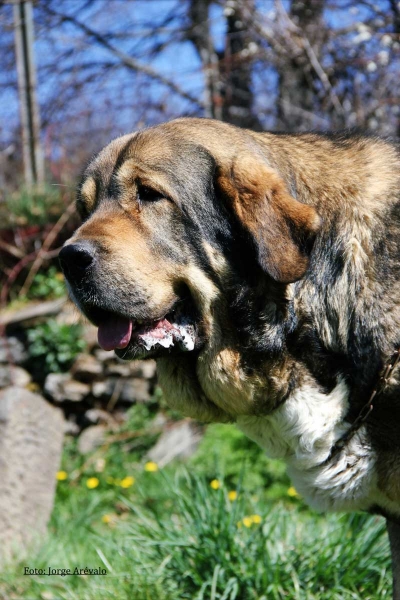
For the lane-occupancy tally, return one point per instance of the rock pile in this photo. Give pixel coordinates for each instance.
(97, 385)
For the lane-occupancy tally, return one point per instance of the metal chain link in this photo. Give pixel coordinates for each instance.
(368, 407)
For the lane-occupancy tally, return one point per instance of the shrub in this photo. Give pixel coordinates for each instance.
(34, 207)
(53, 347)
(49, 284)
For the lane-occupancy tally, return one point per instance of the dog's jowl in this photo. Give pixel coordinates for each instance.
(262, 272)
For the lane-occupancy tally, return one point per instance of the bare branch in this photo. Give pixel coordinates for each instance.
(126, 60)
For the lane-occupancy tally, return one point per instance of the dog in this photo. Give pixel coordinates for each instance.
(262, 272)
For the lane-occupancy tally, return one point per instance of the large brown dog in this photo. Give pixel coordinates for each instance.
(262, 272)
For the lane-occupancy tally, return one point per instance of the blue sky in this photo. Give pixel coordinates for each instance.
(120, 98)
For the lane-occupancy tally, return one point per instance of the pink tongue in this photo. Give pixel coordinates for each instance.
(161, 327)
(114, 333)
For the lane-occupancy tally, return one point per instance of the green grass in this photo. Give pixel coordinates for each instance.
(172, 536)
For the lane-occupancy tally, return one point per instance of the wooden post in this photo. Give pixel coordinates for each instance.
(30, 118)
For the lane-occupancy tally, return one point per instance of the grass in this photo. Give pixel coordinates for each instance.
(181, 533)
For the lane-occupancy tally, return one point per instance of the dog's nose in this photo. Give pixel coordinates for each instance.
(75, 259)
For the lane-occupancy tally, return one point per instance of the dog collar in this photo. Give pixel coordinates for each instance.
(366, 410)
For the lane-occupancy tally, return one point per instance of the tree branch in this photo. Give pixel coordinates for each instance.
(126, 60)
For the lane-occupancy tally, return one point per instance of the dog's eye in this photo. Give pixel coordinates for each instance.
(82, 209)
(146, 194)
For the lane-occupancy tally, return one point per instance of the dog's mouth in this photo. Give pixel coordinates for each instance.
(140, 338)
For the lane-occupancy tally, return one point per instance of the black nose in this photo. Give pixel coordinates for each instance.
(75, 259)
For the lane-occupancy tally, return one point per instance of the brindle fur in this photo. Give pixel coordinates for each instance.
(289, 247)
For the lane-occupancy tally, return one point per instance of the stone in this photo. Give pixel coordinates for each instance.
(86, 368)
(135, 390)
(71, 428)
(12, 351)
(102, 389)
(127, 391)
(159, 421)
(14, 375)
(53, 384)
(91, 438)
(180, 440)
(89, 334)
(61, 387)
(75, 391)
(104, 355)
(68, 315)
(145, 369)
(118, 369)
(97, 415)
(20, 377)
(31, 438)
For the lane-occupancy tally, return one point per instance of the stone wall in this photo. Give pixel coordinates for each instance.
(97, 389)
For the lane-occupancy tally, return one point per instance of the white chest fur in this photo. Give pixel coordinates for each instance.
(302, 431)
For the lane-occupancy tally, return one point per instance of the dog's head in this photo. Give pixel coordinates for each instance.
(177, 221)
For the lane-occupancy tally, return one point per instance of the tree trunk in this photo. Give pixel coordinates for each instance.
(200, 35)
(228, 82)
(297, 93)
(237, 64)
(395, 6)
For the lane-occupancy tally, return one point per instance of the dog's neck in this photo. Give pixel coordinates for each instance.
(302, 432)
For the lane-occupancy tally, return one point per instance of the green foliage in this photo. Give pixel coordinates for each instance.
(225, 449)
(170, 535)
(200, 549)
(47, 285)
(205, 546)
(140, 416)
(34, 207)
(53, 347)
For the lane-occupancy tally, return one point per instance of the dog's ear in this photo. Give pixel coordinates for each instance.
(281, 228)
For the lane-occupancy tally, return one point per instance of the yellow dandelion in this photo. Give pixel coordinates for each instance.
(127, 482)
(292, 492)
(92, 483)
(106, 518)
(232, 495)
(61, 475)
(151, 467)
(247, 521)
(256, 519)
(215, 484)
